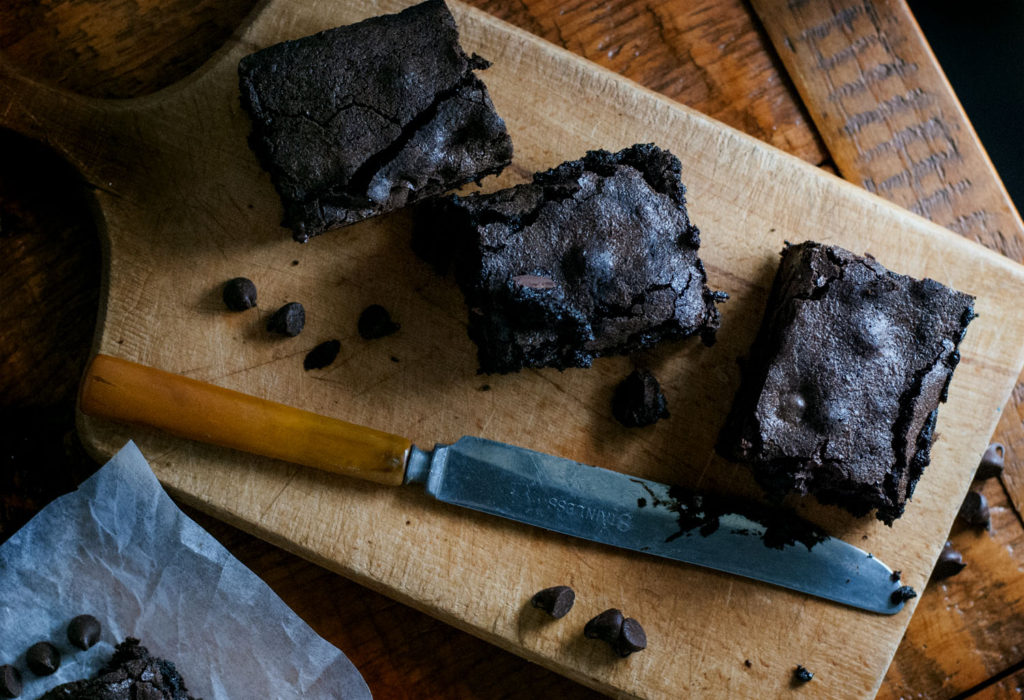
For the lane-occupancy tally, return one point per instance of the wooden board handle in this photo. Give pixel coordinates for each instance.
(133, 393)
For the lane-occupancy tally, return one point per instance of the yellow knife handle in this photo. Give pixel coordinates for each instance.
(133, 393)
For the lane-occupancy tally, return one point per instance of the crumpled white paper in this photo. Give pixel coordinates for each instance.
(119, 549)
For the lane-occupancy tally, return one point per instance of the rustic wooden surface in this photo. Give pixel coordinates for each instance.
(401, 652)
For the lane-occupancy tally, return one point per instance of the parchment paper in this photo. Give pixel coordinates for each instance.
(119, 549)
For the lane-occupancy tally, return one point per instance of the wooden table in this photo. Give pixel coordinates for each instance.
(713, 55)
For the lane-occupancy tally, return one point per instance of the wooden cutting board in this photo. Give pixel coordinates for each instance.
(184, 206)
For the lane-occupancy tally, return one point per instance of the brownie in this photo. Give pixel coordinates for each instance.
(844, 380)
(132, 673)
(595, 257)
(366, 118)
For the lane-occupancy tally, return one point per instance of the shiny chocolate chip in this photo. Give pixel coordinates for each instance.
(289, 320)
(638, 400)
(974, 510)
(375, 322)
(556, 601)
(950, 563)
(605, 626)
(239, 294)
(801, 674)
(10, 681)
(42, 658)
(84, 631)
(632, 638)
(991, 464)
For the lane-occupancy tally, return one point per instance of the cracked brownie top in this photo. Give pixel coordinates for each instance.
(843, 383)
(595, 257)
(364, 119)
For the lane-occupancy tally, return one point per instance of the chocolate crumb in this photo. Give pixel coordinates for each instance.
(485, 387)
(632, 638)
(638, 400)
(294, 263)
(395, 359)
(950, 563)
(902, 594)
(991, 464)
(556, 601)
(974, 510)
(10, 681)
(896, 575)
(605, 626)
(322, 355)
(801, 674)
(641, 502)
(84, 631)
(239, 294)
(375, 322)
(288, 320)
(746, 662)
(42, 658)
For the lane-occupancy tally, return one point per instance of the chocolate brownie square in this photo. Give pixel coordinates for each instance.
(844, 380)
(595, 257)
(132, 674)
(363, 119)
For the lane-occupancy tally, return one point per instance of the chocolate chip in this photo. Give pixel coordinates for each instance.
(288, 320)
(638, 400)
(239, 294)
(42, 658)
(746, 662)
(974, 510)
(801, 674)
(895, 575)
(322, 355)
(605, 626)
(631, 638)
(950, 563)
(991, 462)
(555, 601)
(84, 631)
(375, 322)
(902, 594)
(10, 681)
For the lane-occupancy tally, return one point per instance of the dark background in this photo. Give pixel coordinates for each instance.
(980, 45)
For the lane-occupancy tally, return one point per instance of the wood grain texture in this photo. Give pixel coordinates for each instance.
(183, 210)
(52, 268)
(893, 124)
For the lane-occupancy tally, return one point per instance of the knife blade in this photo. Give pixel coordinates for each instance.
(554, 493)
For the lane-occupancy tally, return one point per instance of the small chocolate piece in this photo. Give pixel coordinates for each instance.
(239, 294)
(322, 355)
(556, 601)
(991, 462)
(42, 658)
(631, 638)
(375, 322)
(801, 674)
(605, 626)
(950, 563)
(84, 631)
(288, 320)
(902, 594)
(10, 681)
(974, 510)
(638, 400)
(895, 575)
(746, 662)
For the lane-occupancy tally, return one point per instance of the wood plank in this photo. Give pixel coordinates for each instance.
(182, 203)
(893, 124)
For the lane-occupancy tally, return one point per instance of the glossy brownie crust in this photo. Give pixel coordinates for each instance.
(364, 119)
(595, 257)
(844, 380)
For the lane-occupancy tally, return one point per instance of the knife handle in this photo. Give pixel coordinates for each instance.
(133, 393)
